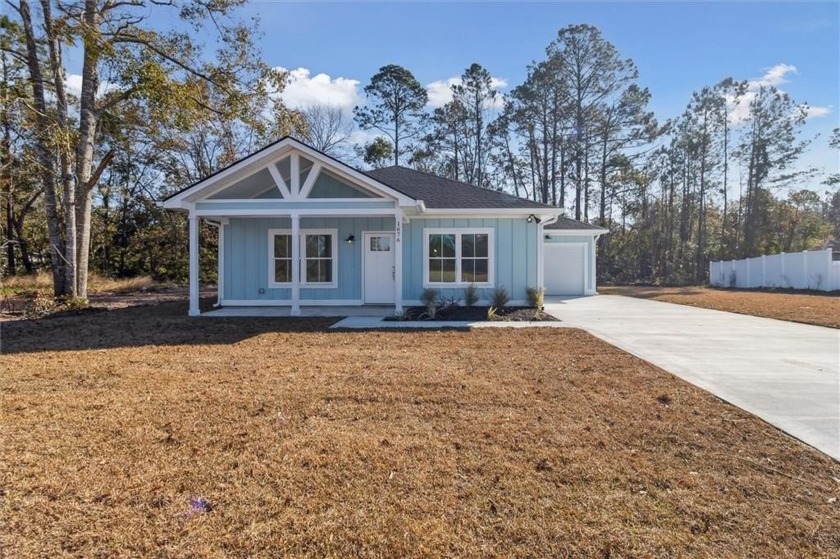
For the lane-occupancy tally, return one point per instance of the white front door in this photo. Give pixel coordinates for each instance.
(379, 272)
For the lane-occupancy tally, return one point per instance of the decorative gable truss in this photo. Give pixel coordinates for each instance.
(290, 171)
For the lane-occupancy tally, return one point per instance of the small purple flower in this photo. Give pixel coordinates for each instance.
(198, 505)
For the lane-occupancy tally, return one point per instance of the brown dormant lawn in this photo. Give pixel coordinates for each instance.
(290, 440)
(809, 308)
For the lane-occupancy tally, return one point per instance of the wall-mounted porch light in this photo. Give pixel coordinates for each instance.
(532, 218)
(350, 238)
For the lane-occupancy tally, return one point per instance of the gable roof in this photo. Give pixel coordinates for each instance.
(568, 224)
(265, 158)
(441, 193)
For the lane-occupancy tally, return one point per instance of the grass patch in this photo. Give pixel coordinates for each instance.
(42, 282)
(806, 307)
(140, 432)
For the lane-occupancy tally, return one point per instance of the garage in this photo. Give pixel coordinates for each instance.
(565, 268)
(568, 254)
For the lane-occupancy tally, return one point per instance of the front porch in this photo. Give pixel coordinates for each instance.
(375, 311)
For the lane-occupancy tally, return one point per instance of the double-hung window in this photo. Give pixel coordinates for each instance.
(458, 257)
(318, 257)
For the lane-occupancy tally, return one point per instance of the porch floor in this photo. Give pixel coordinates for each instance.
(320, 311)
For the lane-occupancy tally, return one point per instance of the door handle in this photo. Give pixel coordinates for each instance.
(393, 272)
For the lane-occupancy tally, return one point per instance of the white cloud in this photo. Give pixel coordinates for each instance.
(775, 76)
(73, 84)
(303, 90)
(816, 112)
(440, 91)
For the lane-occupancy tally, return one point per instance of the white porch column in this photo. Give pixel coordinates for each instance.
(220, 280)
(295, 265)
(194, 311)
(398, 261)
(541, 256)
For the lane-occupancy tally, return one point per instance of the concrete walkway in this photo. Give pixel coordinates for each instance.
(787, 374)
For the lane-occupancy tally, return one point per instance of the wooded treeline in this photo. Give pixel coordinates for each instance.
(83, 161)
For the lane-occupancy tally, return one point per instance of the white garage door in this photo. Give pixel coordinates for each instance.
(564, 268)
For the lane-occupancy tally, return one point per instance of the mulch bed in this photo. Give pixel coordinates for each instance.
(821, 309)
(139, 432)
(477, 314)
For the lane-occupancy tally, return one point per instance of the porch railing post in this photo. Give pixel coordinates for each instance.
(295, 265)
(194, 310)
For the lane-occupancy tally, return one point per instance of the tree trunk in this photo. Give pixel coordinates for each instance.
(85, 148)
(44, 155)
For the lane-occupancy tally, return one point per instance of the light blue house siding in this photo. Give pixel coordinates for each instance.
(246, 258)
(515, 255)
(246, 261)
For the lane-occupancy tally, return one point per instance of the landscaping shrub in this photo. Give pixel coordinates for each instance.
(470, 295)
(536, 299)
(500, 298)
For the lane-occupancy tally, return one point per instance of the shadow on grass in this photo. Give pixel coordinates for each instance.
(649, 292)
(165, 324)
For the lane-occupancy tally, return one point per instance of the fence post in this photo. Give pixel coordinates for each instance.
(763, 270)
(805, 269)
(782, 267)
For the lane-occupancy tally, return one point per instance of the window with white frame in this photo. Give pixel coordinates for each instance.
(282, 254)
(458, 257)
(318, 257)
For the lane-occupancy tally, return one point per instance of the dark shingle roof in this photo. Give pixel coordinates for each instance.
(570, 224)
(438, 192)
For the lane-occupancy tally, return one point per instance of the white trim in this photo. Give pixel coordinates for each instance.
(294, 166)
(540, 257)
(399, 233)
(269, 156)
(220, 281)
(574, 232)
(541, 213)
(308, 201)
(295, 265)
(303, 212)
(365, 236)
(288, 302)
(458, 231)
(314, 172)
(301, 257)
(193, 234)
(278, 180)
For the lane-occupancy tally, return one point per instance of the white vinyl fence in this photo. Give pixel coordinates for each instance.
(797, 270)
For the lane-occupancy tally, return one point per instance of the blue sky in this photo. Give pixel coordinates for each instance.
(333, 48)
(678, 47)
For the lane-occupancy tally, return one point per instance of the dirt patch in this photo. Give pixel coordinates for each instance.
(139, 432)
(808, 308)
(16, 306)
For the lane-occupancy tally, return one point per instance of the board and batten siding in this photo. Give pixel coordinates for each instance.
(589, 241)
(246, 258)
(515, 255)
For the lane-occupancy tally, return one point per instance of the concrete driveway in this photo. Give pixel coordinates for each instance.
(788, 374)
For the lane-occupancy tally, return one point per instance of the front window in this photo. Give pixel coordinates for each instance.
(317, 258)
(282, 258)
(457, 258)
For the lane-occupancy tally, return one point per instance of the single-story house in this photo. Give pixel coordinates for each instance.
(299, 228)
